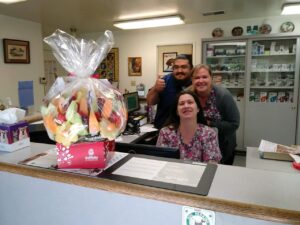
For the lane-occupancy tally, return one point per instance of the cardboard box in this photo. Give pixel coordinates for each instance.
(14, 136)
(85, 155)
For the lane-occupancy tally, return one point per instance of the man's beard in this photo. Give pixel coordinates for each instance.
(184, 82)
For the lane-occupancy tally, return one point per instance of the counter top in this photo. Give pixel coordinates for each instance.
(254, 161)
(33, 118)
(259, 194)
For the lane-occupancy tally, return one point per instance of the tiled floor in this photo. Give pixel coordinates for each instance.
(239, 160)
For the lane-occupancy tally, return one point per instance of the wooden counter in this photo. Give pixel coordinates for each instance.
(236, 194)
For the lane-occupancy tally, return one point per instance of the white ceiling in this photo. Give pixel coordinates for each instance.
(98, 15)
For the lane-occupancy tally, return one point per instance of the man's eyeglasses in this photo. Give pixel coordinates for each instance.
(176, 67)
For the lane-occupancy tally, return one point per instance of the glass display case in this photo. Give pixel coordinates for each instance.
(227, 60)
(273, 71)
(272, 90)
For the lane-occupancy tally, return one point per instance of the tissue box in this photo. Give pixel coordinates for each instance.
(85, 155)
(14, 136)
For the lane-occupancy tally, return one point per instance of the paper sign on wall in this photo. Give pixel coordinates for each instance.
(26, 93)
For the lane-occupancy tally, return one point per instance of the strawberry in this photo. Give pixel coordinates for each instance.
(61, 118)
(115, 118)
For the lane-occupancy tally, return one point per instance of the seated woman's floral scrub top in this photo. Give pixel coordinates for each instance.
(203, 147)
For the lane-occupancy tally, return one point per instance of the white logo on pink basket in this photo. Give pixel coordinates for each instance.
(91, 156)
(91, 152)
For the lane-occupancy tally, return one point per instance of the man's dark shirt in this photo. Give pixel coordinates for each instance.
(167, 99)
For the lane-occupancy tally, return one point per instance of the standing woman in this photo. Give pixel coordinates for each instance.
(196, 141)
(220, 110)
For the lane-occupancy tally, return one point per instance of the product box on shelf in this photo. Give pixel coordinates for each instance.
(240, 79)
(291, 95)
(85, 155)
(217, 79)
(252, 96)
(283, 96)
(14, 136)
(272, 97)
(290, 82)
(263, 96)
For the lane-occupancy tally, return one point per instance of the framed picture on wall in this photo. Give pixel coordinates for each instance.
(134, 66)
(168, 61)
(109, 67)
(190, 57)
(16, 51)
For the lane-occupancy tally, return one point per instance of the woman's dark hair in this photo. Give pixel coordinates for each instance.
(174, 120)
(185, 57)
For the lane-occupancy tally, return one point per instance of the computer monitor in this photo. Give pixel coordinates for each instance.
(132, 101)
(148, 150)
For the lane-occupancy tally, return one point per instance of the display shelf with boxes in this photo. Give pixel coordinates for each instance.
(273, 70)
(227, 62)
(272, 90)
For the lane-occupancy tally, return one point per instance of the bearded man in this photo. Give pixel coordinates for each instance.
(166, 88)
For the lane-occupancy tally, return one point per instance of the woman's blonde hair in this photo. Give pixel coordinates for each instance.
(201, 66)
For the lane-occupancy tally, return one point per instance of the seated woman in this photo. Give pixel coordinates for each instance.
(196, 141)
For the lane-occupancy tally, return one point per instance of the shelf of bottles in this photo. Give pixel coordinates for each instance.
(272, 70)
(227, 61)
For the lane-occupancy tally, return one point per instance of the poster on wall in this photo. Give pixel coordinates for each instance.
(134, 66)
(190, 58)
(109, 67)
(168, 61)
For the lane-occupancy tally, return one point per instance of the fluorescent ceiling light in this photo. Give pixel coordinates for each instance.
(149, 14)
(11, 1)
(289, 9)
(150, 22)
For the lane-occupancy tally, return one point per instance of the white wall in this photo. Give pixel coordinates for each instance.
(10, 74)
(130, 43)
(144, 43)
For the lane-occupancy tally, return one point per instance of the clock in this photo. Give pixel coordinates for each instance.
(287, 27)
